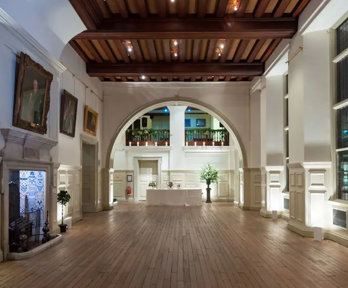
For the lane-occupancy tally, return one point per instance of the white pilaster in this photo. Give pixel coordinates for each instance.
(177, 136)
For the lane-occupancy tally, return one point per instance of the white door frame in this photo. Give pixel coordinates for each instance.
(136, 172)
(89, 140)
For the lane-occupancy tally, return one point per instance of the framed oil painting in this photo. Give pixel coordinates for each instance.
(91, 121)
(68, 111)
(32, 95)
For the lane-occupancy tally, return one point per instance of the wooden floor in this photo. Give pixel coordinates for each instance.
(210, 246)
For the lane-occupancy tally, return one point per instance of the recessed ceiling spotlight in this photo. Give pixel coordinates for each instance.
(172, 1)
(143, 77)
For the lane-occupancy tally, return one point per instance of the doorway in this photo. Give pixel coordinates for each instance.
(89, 177)
(148, 172)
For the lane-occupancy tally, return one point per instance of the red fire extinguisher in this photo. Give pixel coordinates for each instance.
(129, 190)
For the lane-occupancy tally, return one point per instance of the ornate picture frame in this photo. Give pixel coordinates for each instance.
(68, 112)
(91, 121)
(32, 95)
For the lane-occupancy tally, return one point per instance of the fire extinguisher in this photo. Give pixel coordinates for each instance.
(129, 190)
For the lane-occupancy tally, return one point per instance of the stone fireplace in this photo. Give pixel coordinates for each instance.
(26, 151)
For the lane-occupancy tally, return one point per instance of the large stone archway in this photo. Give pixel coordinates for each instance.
(120, 125)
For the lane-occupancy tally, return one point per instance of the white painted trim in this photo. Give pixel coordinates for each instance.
(23, 36)
(173, 85)
(342, 149)
(340, 105)
(206, 149)
(340, 56)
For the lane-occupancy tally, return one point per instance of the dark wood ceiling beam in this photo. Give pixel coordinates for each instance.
(166, 50)
(152, 50)
(182, 50)
(201, 8)
(196, 50)
(191, 28)
(261, 8)
(162, 7)
(79, 51)
(142, 8)
(83, 13)
(226, 50)
(137, 51)
(241, 48)
(242, 6)
(107, 51)
(175, 69)
(103, 9)
(211, 50)
(182, 6)
(221, 8)
(256, 50)
(123, 50)
(281, 8)
(121, 5)
(301, 5)
(93, 51)
(270, 49)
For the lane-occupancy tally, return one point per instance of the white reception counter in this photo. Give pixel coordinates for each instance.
(174, 197)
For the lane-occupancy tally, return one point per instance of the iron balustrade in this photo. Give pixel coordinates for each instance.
(149, 137)
(206, 137)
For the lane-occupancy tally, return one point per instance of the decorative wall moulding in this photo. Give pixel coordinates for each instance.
(28, 140)
(40, 53)
(26, 145)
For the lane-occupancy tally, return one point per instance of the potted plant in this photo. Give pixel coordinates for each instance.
(152, 184)
(63, 198)
(209, 175)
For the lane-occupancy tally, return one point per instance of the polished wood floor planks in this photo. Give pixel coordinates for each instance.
(215, 245)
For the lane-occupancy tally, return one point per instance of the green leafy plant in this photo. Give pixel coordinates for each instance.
(153, 184)
(209, 174)
(63, 198)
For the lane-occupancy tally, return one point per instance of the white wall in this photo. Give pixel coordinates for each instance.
(51, 23)
(66, 155)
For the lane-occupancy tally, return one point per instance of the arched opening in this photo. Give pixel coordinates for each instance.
(237, 157)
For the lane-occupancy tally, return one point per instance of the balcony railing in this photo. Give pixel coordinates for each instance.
(206, 137)
(147, 137)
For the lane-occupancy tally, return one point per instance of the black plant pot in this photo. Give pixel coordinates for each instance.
(208, 191)
(62, 227)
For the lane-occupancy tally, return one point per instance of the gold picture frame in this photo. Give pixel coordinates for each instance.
(32, 95)
(91, 121)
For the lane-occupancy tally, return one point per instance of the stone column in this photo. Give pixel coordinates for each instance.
(272, 148)
(310, 132)
(177, 137)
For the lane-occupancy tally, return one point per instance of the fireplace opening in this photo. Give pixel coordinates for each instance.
(27, 191)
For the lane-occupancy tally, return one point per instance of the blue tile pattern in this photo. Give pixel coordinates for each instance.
(32, 185)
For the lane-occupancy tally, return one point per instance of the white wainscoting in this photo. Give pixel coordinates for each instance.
(224, 190)
(253, 185)
(69, 178)
(272, 187)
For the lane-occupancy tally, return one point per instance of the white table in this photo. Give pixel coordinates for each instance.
(174, 197)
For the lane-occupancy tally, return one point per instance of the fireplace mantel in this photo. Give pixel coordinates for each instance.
(21, 144)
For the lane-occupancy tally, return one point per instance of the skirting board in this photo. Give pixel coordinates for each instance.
(268, 214)
(339, 237)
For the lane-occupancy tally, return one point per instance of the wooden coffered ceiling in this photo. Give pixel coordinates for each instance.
(182, 40)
